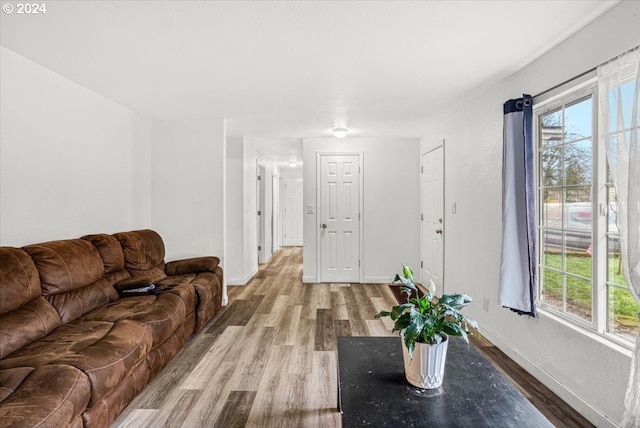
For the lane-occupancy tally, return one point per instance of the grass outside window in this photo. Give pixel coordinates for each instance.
(573, 293)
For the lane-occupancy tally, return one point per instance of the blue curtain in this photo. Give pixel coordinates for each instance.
(518, 283)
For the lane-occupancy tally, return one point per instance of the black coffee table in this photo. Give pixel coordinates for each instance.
(374, 392)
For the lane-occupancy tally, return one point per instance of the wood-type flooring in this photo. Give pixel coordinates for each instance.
(268, 359)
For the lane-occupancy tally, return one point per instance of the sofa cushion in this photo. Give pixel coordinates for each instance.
(19, 279)
(104, 351)
(112, 256)
(10, 380)
(26, 324)
(47, 396)
(162, 313)
(104, 411)
(66, 265)
(78, 302)
(71, 276)
(143, 252)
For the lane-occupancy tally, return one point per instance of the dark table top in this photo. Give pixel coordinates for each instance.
(374, 391)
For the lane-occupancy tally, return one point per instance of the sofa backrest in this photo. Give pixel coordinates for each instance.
(143, 252)
(112, 256)
(71, 276)
(25, 316)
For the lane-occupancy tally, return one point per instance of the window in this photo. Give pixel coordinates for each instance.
(579, 262)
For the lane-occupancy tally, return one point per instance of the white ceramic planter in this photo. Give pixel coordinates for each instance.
(426, 370)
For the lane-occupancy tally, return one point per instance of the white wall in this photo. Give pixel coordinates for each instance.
(583, 370)
(234, 266)
(188, 188)
(71, 161)
(288, 172)
(188, 179)
(391, 217)
(250, 210)
(141, 160)
(74, 162)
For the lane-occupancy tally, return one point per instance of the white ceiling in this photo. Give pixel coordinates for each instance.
(285, 70)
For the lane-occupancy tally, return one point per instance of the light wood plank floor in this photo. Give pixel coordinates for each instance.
(268, 358)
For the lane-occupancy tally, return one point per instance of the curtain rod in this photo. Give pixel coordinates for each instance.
(565, 82)
(580, 75)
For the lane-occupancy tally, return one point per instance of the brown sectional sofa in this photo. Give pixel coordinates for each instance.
(73, 351)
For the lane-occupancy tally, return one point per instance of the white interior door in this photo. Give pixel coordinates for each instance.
(293, 212)
(433, 218)
(339, 209)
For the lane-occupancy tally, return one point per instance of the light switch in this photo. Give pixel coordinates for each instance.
(453, 208)
(309, 208)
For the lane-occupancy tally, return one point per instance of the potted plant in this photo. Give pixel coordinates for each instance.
(425, 324)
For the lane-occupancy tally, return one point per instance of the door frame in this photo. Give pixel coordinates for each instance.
(261, 172)
(275, 213)
(444, 213)
(360, 155)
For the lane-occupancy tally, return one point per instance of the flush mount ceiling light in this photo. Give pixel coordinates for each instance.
(293, 163)
(340, 132)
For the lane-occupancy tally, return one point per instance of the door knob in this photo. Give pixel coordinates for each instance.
(439, 231)
(323, 225)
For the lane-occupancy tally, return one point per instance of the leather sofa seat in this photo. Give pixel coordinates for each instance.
(163, 314)
(104, 351)
(53, 395)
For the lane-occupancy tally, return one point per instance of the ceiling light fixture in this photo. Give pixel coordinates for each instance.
(340, 132)
(293, 164)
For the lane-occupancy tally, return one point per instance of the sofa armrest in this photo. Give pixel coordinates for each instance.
(194, 265)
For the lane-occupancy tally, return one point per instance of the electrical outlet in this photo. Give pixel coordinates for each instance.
(485, 304)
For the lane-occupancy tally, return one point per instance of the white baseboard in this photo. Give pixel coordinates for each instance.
(366, 280)
(377, 280)
(581, 406)
(242, 281)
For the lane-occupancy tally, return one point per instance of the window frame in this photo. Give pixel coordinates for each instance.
(561, 97)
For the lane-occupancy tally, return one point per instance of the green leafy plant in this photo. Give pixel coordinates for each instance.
(428, 318)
